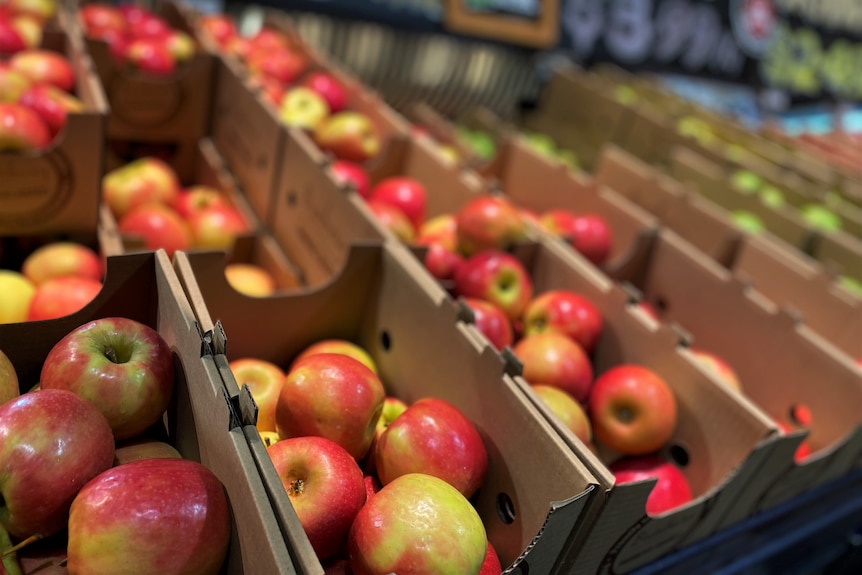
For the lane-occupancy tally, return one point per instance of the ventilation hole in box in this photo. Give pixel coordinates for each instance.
(385, 340)
(661, 305)
(679, 454)
(291, 198)
(505, 509)
(800, 415)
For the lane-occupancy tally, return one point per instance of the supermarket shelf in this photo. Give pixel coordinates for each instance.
(819, 532)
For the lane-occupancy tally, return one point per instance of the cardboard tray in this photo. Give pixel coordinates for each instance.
(57, 190)
(200, 421)
(383, 300)
(840, 252)
(150, 113)
(776, 357)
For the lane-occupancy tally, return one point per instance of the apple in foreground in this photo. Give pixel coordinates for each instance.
(491, 564)
(497, 277)
(406, 194)
(551, 358)
(8, 379)
(567, 312)
(122, 366)
(492, 322)
(632, 409)
(62, 296)
(151, 516)
(392, 408)
(264, 380)
(57, 259)
(671, 490)
(342, 346)
(333, 396)
(489, 222)
(417, 524)
(17, 293)
(349, 136)
(567, 410)
(137, 450)
(325, 486)
(250, 279)
(52, 442)
(432, 436)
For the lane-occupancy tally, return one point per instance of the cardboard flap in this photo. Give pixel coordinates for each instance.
(841, 251)
(707, 226)
(638, 181)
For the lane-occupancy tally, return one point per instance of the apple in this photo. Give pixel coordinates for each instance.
(551, 358)
(302, 108)
(417, 524)
(216, 227)
(558, 222)
(220, 27)
(333, 396)
(62, 258)
(449, 154)
(198, 198)
(325, 486)
(144, 449)
(748, 221)
(122, 366)
(492, 322)
(393, 219)
(12, 40)
(264, 380)
(632, 409)
(670, 491)
(151, 55)
(567, 312)
(180, 45)
(272, 89)
(497, 277)
(45, 67)
(433, 437)
(592, 237)
(392, 408)
(649, 310)
(491, 564)
(12, 84)
(337, 567)
(62, 296)
(441, 263)
(30, 30)
(772, 197)
(718, 367)
(567, 410)
(353, 174)
(746, 181)
(141, 181)
(329, 88)
(149, 26)
(281, 64)
(52, 104)
(406, 194)
(158, 226)
(489, 222)
(250, 279)
(850, 284)
(821, 218)
(150, 516)
(8, 379)
(442, 230)
(268, 38)
(52, 442)
(349, 136)
(22, 129)
(342, 346)
(98, 17)
(17, 292)
(41, 10)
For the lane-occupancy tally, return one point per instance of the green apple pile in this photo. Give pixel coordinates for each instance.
(78, 455)
(479, 141)
(546, 147)
(148, 202)
(378, 485)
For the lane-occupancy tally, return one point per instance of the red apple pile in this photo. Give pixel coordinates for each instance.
(589, 234)
(21, 23)
(79, 457)
(137, 37)
(146, 198)
(363, 469)
(36, 97)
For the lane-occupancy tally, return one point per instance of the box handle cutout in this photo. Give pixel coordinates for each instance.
(679, 455)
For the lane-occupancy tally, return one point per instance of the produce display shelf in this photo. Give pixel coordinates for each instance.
(818, 532)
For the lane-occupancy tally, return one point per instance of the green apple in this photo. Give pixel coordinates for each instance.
(748, 221)
(8, 379)
(821, 218)
(735, 152)
(569, 158)
(746, 181)
(851, 284)
(772, 197)
(541, 144)
(695, 128)
(481, 143)
(625, 95)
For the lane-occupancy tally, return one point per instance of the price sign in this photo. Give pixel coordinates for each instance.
(532, 23)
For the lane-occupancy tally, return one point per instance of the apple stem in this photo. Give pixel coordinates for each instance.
(22, 544)
(111, 354)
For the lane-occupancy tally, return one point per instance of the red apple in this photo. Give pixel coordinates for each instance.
(333, 396)
(12, 40)
(558, 222)
(138, 449)
(442, 230)
(566, 312)
(393, 219)
(497, 277)
(432, 436)
(551, 358)
(567, 410)
(216, 227)
(417, 524)
(45, 67)
(491, 564)
(302, 108)
(530, 217)
(134, 14)
(17, 292)
(489, 222)
(220, 27)
(269, 39)
(151, 55)
(442, 263)
(12, 84)
(280, 64)
(671, 490)
(353, 174)
(122, 366)
(142, 181)
(372, 486)
(329, 88)
(52, 104)
(53, 443)
(404, 193)
(250, 279)
(392, 408)
(158, 226)
(22, 129)
(341, 346)
(633, 410)
(349, 135)
(264, 379)
(150, 516)
(98, 17)
(593, 238)
(8, 379)
(62, 296)
(150, 26)
(272, 89)
(718, 367)
(58, 259)
(492, 322)
(325, 486)
(196, 199)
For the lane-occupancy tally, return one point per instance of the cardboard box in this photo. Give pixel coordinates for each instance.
(151, 115)
(383, 301)
(720, 443)
(199, 422)
(57, 190)
(840, 252)
(775, 356)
